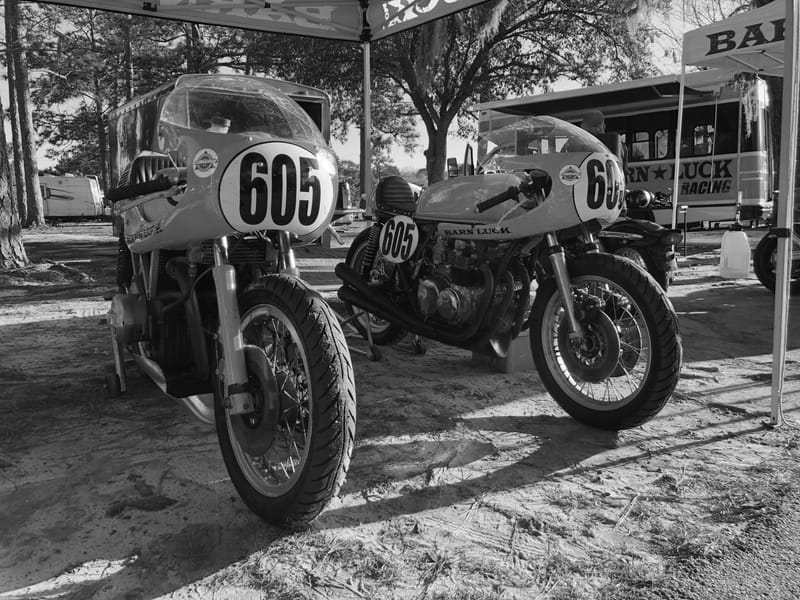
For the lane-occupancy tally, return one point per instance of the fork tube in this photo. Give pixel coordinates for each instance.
(287, 264)
(236, 397)
(559, 262)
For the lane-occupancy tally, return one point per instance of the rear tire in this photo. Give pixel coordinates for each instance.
(764, 264)
(646, 263)
(383, 332)
(289, 457)
(622, 372)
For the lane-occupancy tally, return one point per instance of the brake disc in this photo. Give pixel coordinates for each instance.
(594, 355)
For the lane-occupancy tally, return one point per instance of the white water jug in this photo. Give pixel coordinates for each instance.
(734, 257)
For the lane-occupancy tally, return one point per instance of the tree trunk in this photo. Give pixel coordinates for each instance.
(102, 139)
(436, 154)
(17, 166)
(128, 58)
(34, 194)
(12, 252)
(193, 53)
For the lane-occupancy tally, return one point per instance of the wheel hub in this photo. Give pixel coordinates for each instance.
(255, 431)
(594, 355)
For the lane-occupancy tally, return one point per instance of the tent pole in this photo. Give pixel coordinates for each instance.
(791, 84)
(678, 134)
(366, 129)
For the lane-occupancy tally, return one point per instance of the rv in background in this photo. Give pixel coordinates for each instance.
(726, 162)
(67, 197)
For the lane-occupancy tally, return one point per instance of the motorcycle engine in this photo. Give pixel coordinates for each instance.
(455, 289)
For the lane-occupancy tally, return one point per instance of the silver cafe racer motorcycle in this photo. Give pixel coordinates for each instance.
(474, 260)
(214, 177)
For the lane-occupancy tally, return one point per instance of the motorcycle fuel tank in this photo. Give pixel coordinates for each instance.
(582, 186)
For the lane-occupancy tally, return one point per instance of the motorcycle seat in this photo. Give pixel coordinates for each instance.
(395, 195)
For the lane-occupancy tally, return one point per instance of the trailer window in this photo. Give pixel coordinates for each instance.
(640, 146)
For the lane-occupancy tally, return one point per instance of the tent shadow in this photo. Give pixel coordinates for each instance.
(555, 443)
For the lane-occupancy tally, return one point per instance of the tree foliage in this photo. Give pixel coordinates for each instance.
(88, 62)
(439, 71)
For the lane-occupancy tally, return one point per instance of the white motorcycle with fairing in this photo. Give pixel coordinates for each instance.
(475, 260)
(215, 177)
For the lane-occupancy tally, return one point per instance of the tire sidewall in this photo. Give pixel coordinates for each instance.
(763, 263)
(282, 510)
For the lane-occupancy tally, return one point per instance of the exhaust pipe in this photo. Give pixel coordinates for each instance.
(358, 293)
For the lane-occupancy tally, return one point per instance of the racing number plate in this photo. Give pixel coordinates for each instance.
(600, 191)
(399, 239)
(276, 185)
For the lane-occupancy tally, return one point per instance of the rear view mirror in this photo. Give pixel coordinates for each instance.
(469, 161)
(452, 167)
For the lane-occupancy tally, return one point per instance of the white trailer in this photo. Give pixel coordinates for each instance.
(67, 197)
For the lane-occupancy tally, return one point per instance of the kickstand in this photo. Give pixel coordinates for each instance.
(372, 352)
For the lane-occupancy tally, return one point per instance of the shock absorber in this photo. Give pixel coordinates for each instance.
(370, 251)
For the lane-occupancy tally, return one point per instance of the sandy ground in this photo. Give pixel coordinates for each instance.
(129, 498)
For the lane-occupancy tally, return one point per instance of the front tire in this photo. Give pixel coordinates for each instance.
(289, 457)
(623, 370)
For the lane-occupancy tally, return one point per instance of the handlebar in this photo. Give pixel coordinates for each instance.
(510, 194)
(159, 184)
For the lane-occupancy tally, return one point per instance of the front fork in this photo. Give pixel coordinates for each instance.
(236, 397)
(558, 261)
(236, 394)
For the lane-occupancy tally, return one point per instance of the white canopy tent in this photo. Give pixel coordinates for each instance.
(347, 20)
(765, 41)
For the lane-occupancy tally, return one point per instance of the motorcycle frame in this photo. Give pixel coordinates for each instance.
(237, 398)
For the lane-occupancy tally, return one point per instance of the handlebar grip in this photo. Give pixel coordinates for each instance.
(485, 205)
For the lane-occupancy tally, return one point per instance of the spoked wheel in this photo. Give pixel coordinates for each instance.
(289, 456)
(623, 368)
(383, 332)
(765, 261)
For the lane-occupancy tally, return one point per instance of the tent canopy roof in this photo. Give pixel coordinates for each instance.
(752, 41)
(352, 20)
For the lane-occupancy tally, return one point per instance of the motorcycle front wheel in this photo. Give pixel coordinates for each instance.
(383, 332)
(621, 372)
(289, 456)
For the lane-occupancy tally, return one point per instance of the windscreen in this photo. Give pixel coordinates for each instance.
(239, 105)
(529, 137)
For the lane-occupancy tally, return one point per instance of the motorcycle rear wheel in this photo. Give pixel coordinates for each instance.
(288, 458)
(383, 332)
(622, 372)
(765, 259)
(645, 261)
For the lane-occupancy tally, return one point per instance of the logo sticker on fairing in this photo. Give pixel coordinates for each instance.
(278, 185)
(399, 239)
(205, 163)
(600, 191)
(569, 174)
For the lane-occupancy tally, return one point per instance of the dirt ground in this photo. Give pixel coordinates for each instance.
(466, 482)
